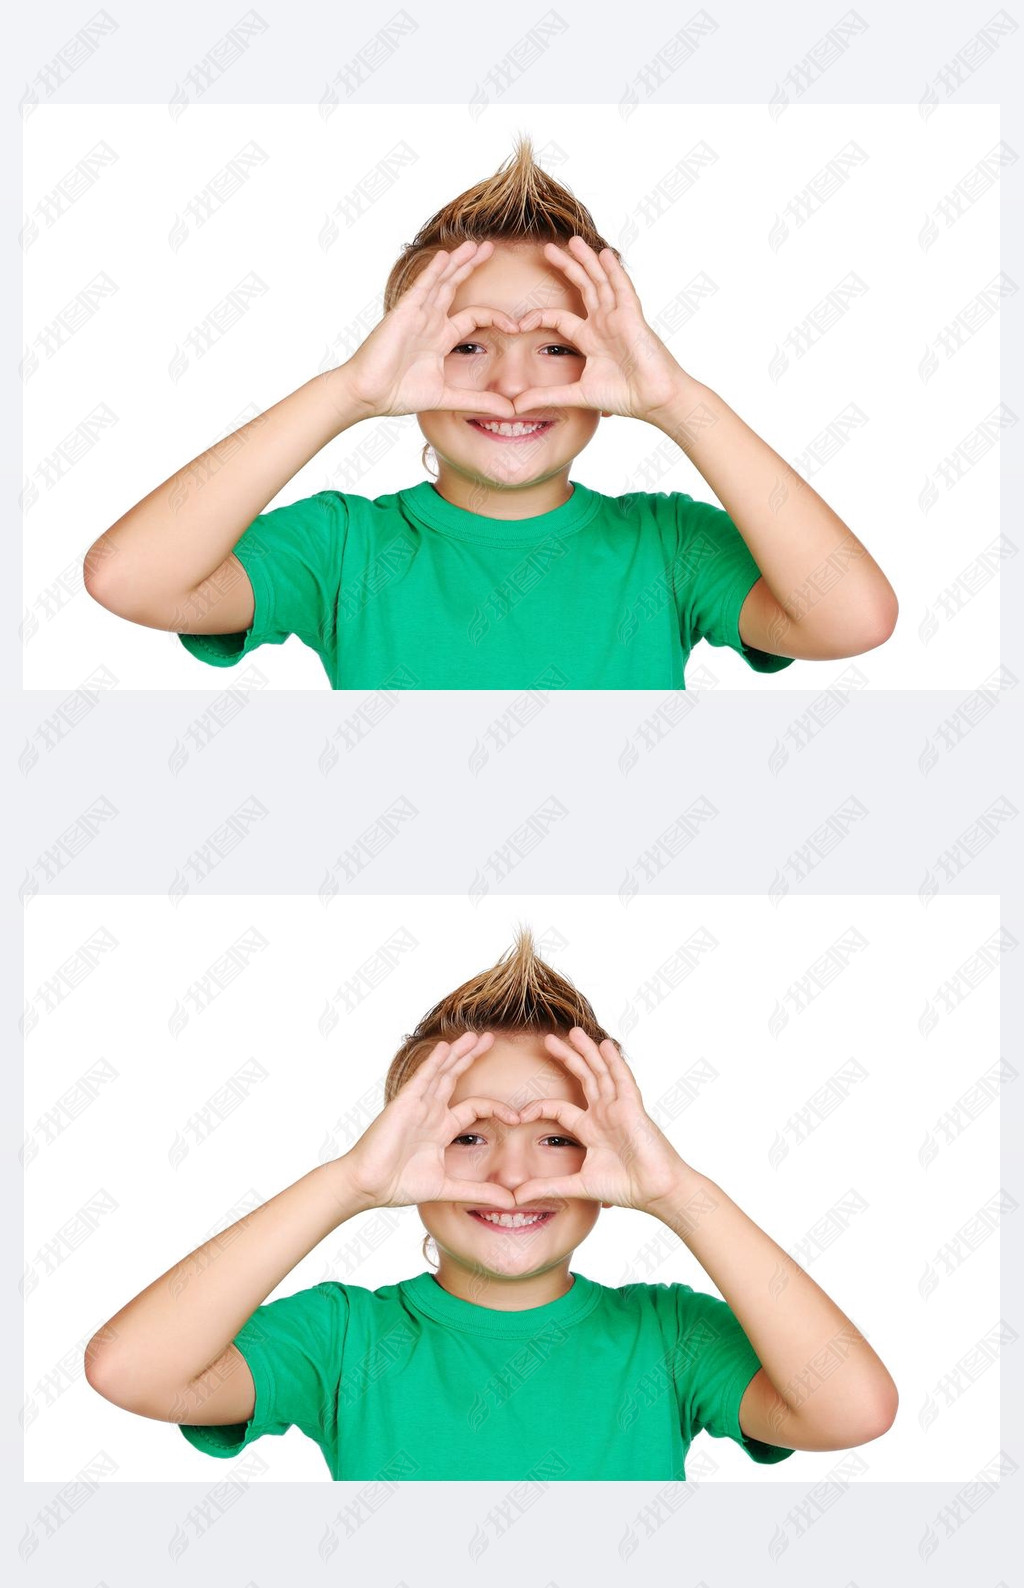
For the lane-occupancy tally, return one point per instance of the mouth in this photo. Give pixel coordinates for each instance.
(526, 1219)
(511, 431)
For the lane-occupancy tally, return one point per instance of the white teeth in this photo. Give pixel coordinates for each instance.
(511, 1221)
(503, 428)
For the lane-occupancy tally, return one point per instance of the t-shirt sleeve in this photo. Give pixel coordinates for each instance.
(293, 558)
(715, 1364)
(715, 571)
(292, 1347)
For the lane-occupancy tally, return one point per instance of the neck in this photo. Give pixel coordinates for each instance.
(496, 501)
(501, 1293)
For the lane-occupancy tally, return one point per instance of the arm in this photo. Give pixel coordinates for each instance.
(821, 1386)
(168, 1353)
(168, 561)
(820, 595)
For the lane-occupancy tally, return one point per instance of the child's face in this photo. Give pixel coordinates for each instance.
(515, 1070)
(516, 280)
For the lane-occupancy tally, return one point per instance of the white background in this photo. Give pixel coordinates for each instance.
(175, 234)
(736, 1014)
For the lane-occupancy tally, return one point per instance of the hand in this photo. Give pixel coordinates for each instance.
(629, 370)
(630, 1162)
(399, 1159)
(399, 369)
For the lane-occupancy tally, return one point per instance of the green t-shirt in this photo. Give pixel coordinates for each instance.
(408, 591)
(411, 1383)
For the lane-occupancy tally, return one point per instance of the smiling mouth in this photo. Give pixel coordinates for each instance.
(527, 1221)
(512, 429)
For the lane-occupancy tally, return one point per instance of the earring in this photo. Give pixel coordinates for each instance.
(423, 457)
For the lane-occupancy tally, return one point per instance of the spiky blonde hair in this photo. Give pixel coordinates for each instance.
(520, 995)
(520, 203)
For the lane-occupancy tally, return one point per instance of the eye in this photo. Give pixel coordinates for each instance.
(567, 1139)
(560, 349)
(461, 345)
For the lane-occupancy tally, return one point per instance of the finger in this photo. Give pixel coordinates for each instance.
(618, 277)
(590, 1051)
(472, 1108)
(431, 274)
(582, 251)
(574, 270)
(571, 326)
(570, 1185)
(424, 1073)
(624, 1077)
(552, 397)
(560, 1110)
(470, 319)
(481, 1193)
(460, 1061)
(466, 400)
(573, 1061)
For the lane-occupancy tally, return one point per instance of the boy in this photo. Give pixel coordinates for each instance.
(506, 1363)
(505, 572)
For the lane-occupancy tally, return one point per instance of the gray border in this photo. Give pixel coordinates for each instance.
(92, 1536)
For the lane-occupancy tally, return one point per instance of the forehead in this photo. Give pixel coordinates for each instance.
(515, 1071)
(515, 279)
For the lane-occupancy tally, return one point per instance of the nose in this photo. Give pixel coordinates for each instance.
(508, 374)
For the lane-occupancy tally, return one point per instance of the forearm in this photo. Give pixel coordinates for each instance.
(170, 1333)
(818, 1362)
(829, 587)
(147, 564)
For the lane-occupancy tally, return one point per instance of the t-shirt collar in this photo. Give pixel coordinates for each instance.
(425, 503)
(427, 1296)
